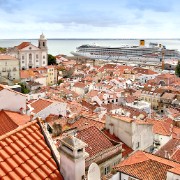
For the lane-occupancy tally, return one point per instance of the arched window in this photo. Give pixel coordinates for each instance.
(44, 44)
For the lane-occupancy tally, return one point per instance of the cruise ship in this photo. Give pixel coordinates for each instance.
(154, 53)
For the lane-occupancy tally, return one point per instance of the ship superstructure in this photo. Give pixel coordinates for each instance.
(141, 53)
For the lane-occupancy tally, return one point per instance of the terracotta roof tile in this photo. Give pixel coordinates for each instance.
(170, 147)
(23, 45)
(146, 166)
(7, 57)
(84, 123)
(40, 104)
(24, 157)
(160, 127)
(10, 120)
(95, 139)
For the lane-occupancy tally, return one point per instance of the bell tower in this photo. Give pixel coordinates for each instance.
(42, 42)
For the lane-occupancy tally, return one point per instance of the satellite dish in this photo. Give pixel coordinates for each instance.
(94, 172)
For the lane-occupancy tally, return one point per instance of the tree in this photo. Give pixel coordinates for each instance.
(60, 81)
(177, 70)
(3, 50)
(51, 59)
(24, 89)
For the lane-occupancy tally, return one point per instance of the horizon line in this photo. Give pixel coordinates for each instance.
(92, 38)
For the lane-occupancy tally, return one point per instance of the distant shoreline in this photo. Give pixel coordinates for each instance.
(96, 39)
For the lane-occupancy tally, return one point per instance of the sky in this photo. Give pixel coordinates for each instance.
(90, 18)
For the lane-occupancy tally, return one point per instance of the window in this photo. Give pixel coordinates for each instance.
(43, 57)
(36, 60)
(22, 57)
(44, 44)
(36, 56)
(43, 62)
(106, 170)
(22, 62)
(30, 56)
(137, 145)
(30, 48)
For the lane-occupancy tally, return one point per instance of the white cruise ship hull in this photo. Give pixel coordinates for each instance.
(118, 58)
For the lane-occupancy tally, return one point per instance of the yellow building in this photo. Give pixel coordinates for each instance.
(50, 75)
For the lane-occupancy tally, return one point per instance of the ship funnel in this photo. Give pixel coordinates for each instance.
(142, 42)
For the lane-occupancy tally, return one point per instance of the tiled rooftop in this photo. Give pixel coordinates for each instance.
(10, 120)
(25, 155)
(160, 127)
(84, 123)
(7, 57)
(146, 166)
(40, 104)
(23, 45)
(95, 139)
(170, 147)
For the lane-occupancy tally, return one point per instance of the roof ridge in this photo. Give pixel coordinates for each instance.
(17, 129)
(161, 160)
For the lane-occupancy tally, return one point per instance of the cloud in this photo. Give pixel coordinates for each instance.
(154, 5)
(91, 18)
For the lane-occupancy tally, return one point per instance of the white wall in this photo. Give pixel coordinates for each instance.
(162, 139)
(144, 78)
(122, 129)
(36, 96)
(142, 134)
(126, 177)
(41, 80)
(72, 169)
(115, 176)
(13, 101)
(56, 108)
(172, 176)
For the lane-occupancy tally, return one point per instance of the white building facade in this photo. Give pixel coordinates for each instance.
(31, 56)
(9, 67)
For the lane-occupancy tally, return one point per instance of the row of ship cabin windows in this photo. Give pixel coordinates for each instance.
(30, 57)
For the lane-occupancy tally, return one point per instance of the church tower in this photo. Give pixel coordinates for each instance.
(42, 42)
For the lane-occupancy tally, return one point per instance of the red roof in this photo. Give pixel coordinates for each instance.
(7, 57)
(146, 166)
(10, 120)
(25, 155)
(171, 148)
(23, 45)
(40, 104)
(84, 123)
(96, 140)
